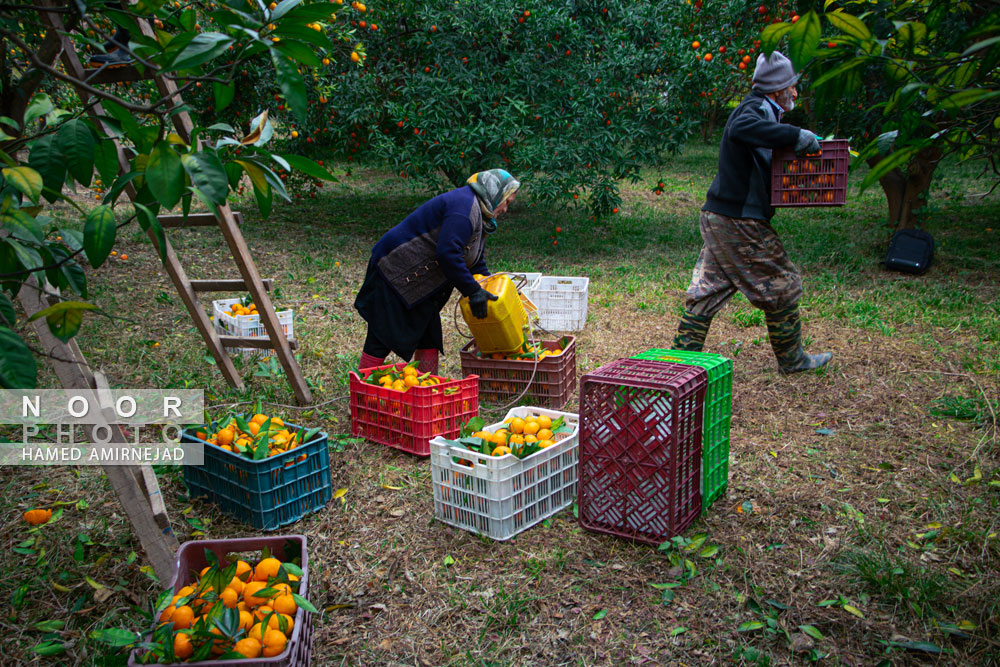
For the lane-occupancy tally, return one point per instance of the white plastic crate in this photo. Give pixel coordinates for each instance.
(501, 496)
(561, 302)
(530, 281)
(247, 326)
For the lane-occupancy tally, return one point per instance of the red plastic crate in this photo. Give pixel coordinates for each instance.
(409, 420)
(640, 448)
(550, 385)
(813, 180)
(191, 560)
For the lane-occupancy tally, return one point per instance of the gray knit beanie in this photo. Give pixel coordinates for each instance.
(773, 74)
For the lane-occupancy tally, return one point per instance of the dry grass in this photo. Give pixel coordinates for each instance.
(809, 516)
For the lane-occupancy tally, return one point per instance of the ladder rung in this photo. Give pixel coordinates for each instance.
(259, 343)
(194, 220)
(225, 285)
(120, 74)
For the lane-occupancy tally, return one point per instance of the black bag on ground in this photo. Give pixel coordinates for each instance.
(910, 251)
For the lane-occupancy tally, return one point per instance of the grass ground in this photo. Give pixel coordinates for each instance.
(861, 519)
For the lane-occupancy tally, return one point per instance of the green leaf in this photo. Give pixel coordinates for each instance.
(925, 647)
(7, 313)
(207, 175)
(304, 603)
(223, 94)
(115, 636)
(964, 98)
(46, 158)
(99, 235)
(164, 174)
(64, 318)
(151, 224)
(299, 52)
(50, 647)
(204, 47)
(76, 142)
(601, 614)
(283, 8)
(308, 167)
(106, 160)
(979, 46)
(49, 626)
(771, 36)
(849, 24)
(17, 364)
(74, 274)
(887, 164)
(29, 257)
(40, 106)
(448, 560)
(709, 551)
(853, 610)
(750, 626)
(803, 40)
(837, 71)
(292, 85)
(679, 630)
(812, 631)
(22, 226)
(25, 179)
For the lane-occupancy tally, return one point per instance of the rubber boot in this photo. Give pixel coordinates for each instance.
(427, 360)
(784, 330)
(691, 332)
(368, 361)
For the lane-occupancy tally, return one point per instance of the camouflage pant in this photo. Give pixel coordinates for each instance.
(745, 255)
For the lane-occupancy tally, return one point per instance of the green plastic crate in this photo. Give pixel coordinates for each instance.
(718, 413)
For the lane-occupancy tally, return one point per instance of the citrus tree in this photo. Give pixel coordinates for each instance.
(571, 97)
(909, 82)
(50, 138)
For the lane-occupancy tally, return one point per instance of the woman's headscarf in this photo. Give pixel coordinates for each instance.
(492, 188)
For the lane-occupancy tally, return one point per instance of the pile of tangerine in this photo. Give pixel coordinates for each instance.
(264, 598)
(521, 436)
(391, 378)
(233, 438)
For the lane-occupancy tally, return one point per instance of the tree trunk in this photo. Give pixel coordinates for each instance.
(906, 189)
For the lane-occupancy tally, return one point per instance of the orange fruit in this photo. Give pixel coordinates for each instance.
(274, 623)
(284, 588)
(501, 450)
(183, 648)
(237, 585)
(274, 643)
(183, 617)
(258, 419)
(544, 434)
(229, 598)
(225, 437)
(531, 428)
(266, 568)
(246, 620)
(249, 592)
(284, 604)
(261, 612)
(186, 591)
(544, 421)
(167, 613)
(257, 632)
(243, 570)
(277, 421)
(248, 647)
(37, 517)
(517, 425)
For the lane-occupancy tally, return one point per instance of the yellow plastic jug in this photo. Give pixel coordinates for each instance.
(503, 328)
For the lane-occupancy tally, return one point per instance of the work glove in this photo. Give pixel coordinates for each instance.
(478, 301)
(807, 144)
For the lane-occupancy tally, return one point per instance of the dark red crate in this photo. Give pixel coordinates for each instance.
(191, 560)
(549, 385)
(640, 448)
(813, 180)
(409, 420)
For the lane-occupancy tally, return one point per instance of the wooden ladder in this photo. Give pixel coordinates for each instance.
(227, 221)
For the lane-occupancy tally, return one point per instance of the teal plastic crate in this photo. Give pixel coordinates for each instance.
(268, 493)
(718, 414)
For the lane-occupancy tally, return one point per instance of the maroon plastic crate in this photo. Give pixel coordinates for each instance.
(640, 448)
(410, 420)
(549, 385)
(191, 560)
(813, 180)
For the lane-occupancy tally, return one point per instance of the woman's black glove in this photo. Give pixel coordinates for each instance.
(478, 301)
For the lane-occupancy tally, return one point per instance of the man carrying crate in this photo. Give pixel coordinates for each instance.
(741, 250)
